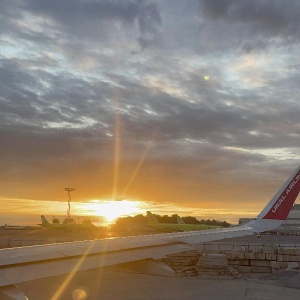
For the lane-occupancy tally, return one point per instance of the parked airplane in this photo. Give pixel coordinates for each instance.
(45, 223)
(67, 226)
(30, 263)
(180, 226)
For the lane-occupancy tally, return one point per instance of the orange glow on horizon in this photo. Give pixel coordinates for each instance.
(27, 212)
(111, 210)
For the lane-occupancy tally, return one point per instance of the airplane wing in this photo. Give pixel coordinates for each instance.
(34, 262)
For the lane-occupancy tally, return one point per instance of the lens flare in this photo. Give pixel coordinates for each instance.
(79, 294)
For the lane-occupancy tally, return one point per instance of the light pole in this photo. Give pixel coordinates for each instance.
(69, 190)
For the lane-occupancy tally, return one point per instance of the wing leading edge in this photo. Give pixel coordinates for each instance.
(33, 262)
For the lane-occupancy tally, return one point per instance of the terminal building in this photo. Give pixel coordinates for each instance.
(290, 226)
(243, 221)
(292, 223)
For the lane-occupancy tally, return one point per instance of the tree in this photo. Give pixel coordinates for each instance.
(225, 224)
(68, 221)
(55, 220)
(190, 220)
(86, 221)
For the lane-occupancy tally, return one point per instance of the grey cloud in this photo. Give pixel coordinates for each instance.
(100, 19)
(209, 118)
(274, 16)
(73, 11)
(250, 46)
(230, 25)
(149, 22)
(176, 120)
(9, 11)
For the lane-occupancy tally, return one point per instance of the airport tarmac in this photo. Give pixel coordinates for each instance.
(111, 283)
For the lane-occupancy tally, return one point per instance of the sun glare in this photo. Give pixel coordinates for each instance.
(112, 210)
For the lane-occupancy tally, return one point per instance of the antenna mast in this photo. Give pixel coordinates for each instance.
(69, 190)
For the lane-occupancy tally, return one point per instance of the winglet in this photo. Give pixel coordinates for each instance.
(277, 210)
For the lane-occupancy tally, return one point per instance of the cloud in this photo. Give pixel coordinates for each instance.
(105, 20)
(68, 11)
(261, 24)
(149, 22)
(210, 96)
(273, 16)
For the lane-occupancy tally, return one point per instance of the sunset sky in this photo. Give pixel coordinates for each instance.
(188, 107)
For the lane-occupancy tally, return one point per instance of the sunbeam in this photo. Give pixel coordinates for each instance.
(117, 140)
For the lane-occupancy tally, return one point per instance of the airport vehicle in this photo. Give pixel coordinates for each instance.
(180, 226)
(29, 263)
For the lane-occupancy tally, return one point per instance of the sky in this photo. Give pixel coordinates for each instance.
(187, 107)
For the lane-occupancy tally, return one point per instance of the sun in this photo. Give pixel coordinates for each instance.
(112, 210)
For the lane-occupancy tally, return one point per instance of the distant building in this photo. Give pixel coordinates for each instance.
(292, 223)
(290, 226)
(243, 221)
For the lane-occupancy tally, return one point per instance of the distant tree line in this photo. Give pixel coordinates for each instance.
(193, 220)
(140, 219)
(56, 220)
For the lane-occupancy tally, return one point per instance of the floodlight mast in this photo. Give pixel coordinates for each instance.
(69, 190)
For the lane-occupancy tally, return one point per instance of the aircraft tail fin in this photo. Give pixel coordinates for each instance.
(277, 210)
(44, 221)
(179, 220)
(151, 218)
